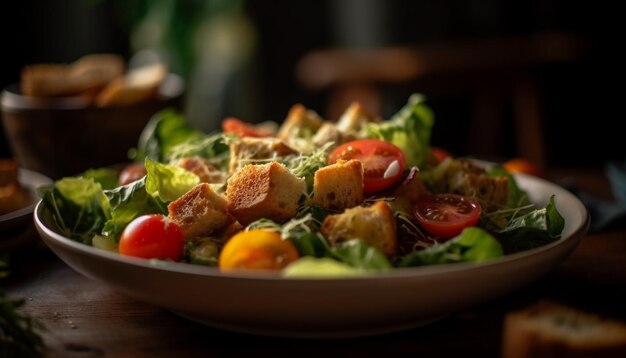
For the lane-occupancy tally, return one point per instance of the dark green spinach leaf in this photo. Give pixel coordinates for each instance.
(536, 228)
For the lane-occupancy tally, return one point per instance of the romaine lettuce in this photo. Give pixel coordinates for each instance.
(409, 129)
(79, 207)
(165, 130)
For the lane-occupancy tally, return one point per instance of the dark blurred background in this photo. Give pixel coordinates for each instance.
(488, 84)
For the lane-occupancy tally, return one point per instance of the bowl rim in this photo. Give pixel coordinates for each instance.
(576, 234)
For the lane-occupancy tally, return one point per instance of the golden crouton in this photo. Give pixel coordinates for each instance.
(298, 121)
(199, 211)
(338, 186)
(465, 178)
(201, 167)
(375, 225)
(328, 133)
(249, 150)
(354, 119)
(264, 191)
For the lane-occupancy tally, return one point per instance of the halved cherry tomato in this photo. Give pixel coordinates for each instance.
(242, 129)
(257, 249)
(446, 215)
(383, 162)
(152, 236)
(521, 165)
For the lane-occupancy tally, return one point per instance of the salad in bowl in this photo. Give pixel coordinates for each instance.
(310, 198)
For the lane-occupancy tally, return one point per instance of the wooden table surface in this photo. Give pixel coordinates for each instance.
(84, 318)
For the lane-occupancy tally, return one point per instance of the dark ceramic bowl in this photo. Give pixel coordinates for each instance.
(65, 136)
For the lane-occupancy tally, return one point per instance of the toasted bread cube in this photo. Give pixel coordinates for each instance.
(328, 133)
(375, 225)
(199, 212)
(298, 121)
(247, 150)
(338, 186)
(268, 191)
(466, 178)
(354, 119)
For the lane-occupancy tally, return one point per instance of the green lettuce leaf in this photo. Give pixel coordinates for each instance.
(312, 267)
(149, 195)
(360, 255)
(168, 182)
(409, 129)
(536, 228)
(165, 130)
(213, 147)
(78, 205)
(308, 243)
(108, 178)
(472, 245)
(128, 202)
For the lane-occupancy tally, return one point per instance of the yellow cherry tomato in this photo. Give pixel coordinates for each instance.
(258, 250)
(521, 165)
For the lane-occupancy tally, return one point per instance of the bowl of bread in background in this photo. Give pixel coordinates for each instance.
(62, 119)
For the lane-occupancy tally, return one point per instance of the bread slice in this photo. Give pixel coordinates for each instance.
(268, 191)
(338, 186)
(136, 86)
(550, 329)
(375, 225)
(199, 212)
(84, 77)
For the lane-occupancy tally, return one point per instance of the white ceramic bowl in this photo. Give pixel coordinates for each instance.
(265, 303)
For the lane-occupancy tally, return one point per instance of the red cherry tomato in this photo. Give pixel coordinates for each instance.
(383, 162)
(446, 215)
(152, 236)
(242, 129)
